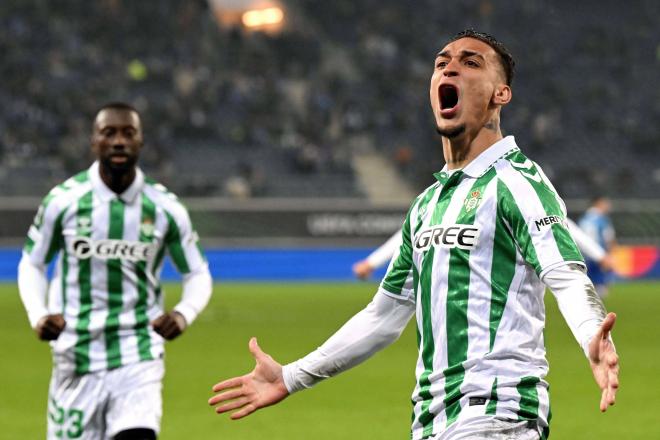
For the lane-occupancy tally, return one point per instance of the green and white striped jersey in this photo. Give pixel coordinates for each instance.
(475, 247)
(111, 250)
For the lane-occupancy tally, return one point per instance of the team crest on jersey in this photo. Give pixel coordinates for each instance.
(473, 201)
(84, 225)
(147, 227)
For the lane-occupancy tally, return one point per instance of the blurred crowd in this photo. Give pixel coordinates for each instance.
(282, 114)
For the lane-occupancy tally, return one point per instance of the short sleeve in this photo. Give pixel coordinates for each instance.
(398, 280)
(44, 238)
(183, 242)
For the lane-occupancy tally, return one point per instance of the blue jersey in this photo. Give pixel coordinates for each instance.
(599, 227)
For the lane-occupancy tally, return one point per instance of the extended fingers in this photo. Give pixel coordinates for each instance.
(226, 396)
(229, 383)
(245, 411)
(603, 400)
(238, 403)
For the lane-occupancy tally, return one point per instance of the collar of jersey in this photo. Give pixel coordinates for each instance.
(106, 194)
(485, 160)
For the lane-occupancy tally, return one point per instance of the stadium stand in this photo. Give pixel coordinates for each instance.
(280, 114)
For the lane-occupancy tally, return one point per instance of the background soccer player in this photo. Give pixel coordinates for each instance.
(477, 248)
(111, 226)
(597, 224)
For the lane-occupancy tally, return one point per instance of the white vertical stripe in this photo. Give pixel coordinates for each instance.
(439, 287)
(426, 216)
(129, 283)
(478, 312)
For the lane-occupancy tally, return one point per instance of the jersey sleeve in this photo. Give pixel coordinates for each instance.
(536, 217)
(44, 238)
(398, 280)
(182, 242)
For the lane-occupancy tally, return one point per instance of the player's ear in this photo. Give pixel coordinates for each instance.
(502, 94)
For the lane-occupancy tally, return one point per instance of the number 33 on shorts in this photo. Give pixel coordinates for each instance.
(68, 422)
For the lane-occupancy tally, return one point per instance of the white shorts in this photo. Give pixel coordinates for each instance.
(484, 427)
(99, 405)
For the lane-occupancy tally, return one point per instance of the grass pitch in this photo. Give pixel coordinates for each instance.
(371, 401)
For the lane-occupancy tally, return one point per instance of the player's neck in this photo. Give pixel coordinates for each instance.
(117, 181)
(463, 149)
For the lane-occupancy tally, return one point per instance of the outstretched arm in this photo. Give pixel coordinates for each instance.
(587, 245)
(372, 329)
(590, 323)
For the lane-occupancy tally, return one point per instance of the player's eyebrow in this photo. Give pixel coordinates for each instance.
(462, 54)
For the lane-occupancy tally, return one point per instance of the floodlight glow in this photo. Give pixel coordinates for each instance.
(262, 17)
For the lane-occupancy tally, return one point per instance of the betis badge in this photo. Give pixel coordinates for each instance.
(473, 201)
(147, 227)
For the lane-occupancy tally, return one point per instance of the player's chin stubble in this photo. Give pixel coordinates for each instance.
(451, 132)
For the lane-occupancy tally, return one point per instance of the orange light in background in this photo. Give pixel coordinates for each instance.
(262, 17)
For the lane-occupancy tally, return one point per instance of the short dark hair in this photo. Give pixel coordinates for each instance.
(506, 59)
(117, 105)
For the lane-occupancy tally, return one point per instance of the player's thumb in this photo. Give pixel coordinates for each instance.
(256, 351)
(607, 325)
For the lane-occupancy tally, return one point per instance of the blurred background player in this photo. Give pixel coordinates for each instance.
(597, 225)
(111, 226)
(363, 269)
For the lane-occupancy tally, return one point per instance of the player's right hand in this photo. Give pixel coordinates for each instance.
(607, 263)
(362, 269)
(50, 326)
(264, 386)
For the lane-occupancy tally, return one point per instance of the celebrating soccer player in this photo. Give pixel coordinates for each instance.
(104, 316)
(478, 248)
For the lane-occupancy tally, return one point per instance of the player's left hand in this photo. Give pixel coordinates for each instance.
(169, 325)
(263, 387)
(605, 362)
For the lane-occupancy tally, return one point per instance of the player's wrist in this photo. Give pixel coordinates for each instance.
(180, 319)
(290, 373)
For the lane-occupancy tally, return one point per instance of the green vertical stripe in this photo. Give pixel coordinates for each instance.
(511, 212)
(59, 189)
(65, 274)
(147, 221)
(491, 408)
(29, 245)
(56, 239)
(115, 291)
(423, 204)
(396, 277)
(174, 245)
(458, 291)
(529, 399)
(546, 431)
(548, 198)
(503, 268)
(428, 345)
(84, 225)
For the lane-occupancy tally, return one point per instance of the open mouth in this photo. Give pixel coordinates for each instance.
(448, 96)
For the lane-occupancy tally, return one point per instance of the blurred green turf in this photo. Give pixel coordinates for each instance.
(369, 402)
